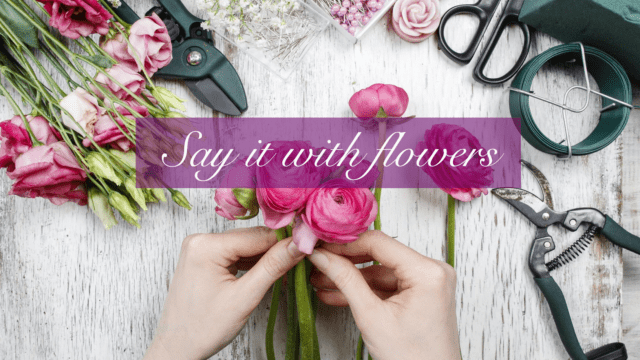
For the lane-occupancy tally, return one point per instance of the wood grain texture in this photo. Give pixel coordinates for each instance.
(71, 290)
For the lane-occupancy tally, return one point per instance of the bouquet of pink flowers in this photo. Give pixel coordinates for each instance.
(318, 203)
(74, 142)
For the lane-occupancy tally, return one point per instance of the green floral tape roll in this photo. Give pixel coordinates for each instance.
(612, 81)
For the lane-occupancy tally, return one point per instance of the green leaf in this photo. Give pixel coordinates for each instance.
(102, 61)
(26, 31)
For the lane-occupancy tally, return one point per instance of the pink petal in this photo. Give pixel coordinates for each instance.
(304, 238)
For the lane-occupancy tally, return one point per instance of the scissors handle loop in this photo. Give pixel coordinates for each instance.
(484, 11)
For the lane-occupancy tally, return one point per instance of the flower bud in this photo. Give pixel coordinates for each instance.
(99, 203)
(136, 194)
(167, 98)
(128, 158)
(248, 199)
(99, 165)
(122, 204)
(159, 194)
(148, 196)
(180, 199)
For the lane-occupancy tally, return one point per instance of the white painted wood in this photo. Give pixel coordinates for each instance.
(69, 289)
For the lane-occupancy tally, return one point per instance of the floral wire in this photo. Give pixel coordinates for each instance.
(273, 311)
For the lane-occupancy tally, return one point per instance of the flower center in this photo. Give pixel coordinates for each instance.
(339, 199)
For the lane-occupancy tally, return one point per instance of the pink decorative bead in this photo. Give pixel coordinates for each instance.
(379, 5)
(342, 12)
(359, 5)
(345, 26)
(371, 4)
(350, 17)
(365, 20)
(335, 9)
(352, 30)
(358, 16)
(346, 4)
(353, 9)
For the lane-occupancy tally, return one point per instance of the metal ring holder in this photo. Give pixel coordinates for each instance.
(565, 107)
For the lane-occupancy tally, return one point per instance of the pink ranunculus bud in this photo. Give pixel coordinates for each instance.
(366, 103)
(416, 20)
(282, 191)
(150, 43)
(464, 183)
(77, 18)
(335, 214)
(51, 172)
(228, 205)
(130, 79)
(15, 140)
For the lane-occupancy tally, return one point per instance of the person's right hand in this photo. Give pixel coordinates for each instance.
(405, 308)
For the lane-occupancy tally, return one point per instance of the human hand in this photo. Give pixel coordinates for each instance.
(207, 305)
(405, 308)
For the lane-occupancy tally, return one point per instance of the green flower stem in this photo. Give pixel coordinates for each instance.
(115, 16)
(306, 319)
(18, 111)
(451, 231)
(293, 327)
(273, 311)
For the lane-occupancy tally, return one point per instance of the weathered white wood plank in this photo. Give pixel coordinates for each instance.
(69, 289)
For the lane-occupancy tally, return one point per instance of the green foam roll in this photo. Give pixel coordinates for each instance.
(609, 25)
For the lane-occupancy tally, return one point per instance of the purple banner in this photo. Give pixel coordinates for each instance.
(336, 152)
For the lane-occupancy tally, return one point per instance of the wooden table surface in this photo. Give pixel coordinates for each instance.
(71, 290)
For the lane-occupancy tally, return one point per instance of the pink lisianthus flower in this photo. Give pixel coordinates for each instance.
(367, 103)
(335, 213)
(283, 191)
(118, 49)
(463, 183)
(128, 78)
(51, 172)
(77, 18)
(150, 44)
(15, 140)
(106, 132)
(416, 20)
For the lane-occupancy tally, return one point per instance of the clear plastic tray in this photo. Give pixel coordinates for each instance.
(278, 48)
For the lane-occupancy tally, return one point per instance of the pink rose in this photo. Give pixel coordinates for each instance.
(335, 214)
(77, 18)
(366, 103)
(151, 43)
(464, 183)
(15, 140)
(416, 20)
(228, 206)
(283, 191)
(130, 79)
(118, 48)
(51, 172)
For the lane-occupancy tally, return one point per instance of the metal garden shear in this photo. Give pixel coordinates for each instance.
(206, 71)
(484, 10)
(541, 213)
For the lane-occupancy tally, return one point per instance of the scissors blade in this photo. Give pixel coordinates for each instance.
(542, 181)
(530, 206)
(211, 95)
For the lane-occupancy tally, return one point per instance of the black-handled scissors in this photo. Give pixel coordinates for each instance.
(484, 10)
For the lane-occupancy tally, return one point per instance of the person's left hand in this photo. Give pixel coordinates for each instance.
(207, 305)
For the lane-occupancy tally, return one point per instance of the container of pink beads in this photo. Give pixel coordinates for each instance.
(352, 18)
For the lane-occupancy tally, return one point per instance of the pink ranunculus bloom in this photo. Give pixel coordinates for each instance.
(240, 175)
(283, 191)
(464, 183)
(51, 172)
(150, 43)
(77, 18)
(416, 20)
(366, 103)
(130, 79)
(335, 213)
(227, 205)
(118, 48)
(15, 140)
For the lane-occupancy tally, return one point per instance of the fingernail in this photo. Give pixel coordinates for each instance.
(319, 259)
(293, 250)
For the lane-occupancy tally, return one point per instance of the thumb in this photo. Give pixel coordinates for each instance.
(274, 264)
(347, 279)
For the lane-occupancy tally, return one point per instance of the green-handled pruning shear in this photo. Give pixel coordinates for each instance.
(206, 71)
(541, 213)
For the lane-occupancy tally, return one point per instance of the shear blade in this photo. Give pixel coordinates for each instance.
(211, 95)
